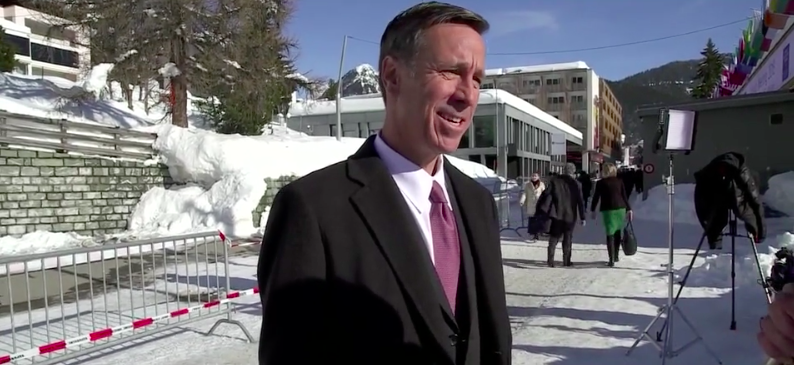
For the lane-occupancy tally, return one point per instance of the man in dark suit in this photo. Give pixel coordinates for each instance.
(393, 256)
(562, 203)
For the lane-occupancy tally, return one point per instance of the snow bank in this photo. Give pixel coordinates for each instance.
(44, 98)
(780, 195)
(96, 79)
(228, 173)
(41, 242)
(655, 208)
(715, 270)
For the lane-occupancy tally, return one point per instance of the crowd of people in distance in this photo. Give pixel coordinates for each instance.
(554, 206)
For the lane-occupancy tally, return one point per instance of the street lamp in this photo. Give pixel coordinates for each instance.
(339, 90)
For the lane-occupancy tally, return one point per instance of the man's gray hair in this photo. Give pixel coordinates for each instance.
(570, 169)
(402, 38)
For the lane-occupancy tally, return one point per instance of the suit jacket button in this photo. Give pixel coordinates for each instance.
(453, 339)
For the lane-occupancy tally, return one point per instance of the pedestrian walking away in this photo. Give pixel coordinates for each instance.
(587, 186)
(562, 203)
(612, 199)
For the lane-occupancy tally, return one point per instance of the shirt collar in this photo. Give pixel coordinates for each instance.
(412, 180)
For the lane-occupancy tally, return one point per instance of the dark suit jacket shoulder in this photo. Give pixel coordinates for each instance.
(563, 199)
(345, 277)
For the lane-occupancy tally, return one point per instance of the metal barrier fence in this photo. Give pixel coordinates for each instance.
(137, 289)
(507, 194)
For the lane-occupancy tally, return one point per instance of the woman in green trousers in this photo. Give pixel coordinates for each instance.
(614, 206)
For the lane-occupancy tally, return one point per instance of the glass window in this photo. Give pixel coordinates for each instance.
(484, 131)
(363, 130)
(57, 56)
(536, 141)
(532, 143)
(547, 143)
(21, 45)
(21, 68)
(465, 140)
(521, 136)
(516, 130)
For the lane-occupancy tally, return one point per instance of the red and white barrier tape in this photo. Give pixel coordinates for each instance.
(140, 323)
(228, 241)
(108, 332)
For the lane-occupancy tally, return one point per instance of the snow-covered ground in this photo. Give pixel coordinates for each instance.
(586, 315)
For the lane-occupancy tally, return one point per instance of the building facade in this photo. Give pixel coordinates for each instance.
(774, 71)
(610, 122)
(41, 49)
(568, 91)
(755, 125)
(508, 134)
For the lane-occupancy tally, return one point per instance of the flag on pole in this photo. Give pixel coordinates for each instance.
(774, 20)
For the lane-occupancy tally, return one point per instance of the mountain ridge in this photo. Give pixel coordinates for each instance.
(669, 83)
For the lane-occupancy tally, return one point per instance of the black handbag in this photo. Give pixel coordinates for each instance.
(629, 240)
(540, 224)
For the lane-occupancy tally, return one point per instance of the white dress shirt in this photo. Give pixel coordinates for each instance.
(415, 185)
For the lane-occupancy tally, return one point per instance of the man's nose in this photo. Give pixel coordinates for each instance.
(467, 94)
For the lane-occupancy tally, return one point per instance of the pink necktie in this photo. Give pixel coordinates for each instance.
(446, 244)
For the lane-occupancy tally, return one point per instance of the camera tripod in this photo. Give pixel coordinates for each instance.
(733, 234)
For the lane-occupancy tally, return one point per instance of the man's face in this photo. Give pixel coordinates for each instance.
(435, 98)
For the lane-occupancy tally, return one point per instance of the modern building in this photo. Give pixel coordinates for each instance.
(508, 134)
(41, 49)
(759, 126)
(568, 91)
(610, 122)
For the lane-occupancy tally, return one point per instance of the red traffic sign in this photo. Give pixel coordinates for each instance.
(648, 168)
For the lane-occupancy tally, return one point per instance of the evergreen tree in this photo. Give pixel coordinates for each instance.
(257, 86)
(708, 73)
(330, 92)
(7, 61)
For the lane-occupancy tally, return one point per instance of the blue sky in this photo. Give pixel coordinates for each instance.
(531, 26)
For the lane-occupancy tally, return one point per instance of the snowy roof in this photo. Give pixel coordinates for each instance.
(374, 102)
(578, 65)
(9, 25)
(491, 96)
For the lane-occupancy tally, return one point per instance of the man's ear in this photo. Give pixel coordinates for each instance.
(390, 76)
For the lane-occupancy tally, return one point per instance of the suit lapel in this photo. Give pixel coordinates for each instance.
(470, 220)
(467, 268)
(382, 207)
(487, 265)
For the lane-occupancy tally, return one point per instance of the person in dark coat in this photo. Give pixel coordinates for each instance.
(639, 177)
(610, 193)
(562, 203)
(727, 185)
(628, 178)
(587, 186)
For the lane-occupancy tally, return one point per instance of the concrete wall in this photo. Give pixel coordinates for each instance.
(746, 130)
(273, 186)
(61, 193)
